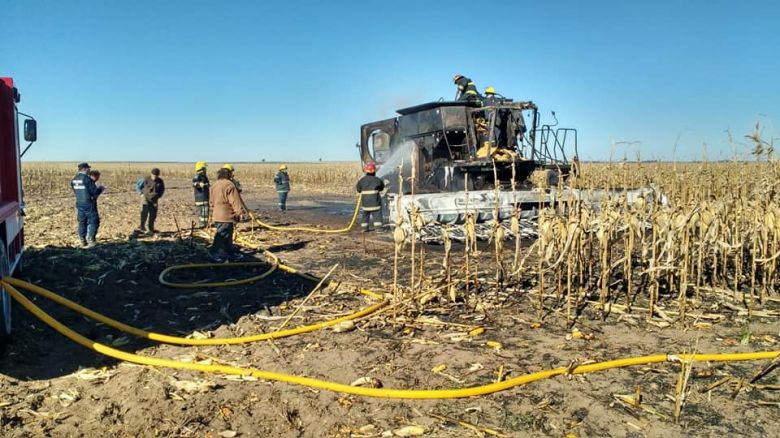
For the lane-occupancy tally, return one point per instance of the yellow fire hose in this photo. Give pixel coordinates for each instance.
(311, 229)
(214, 341)
(10, 285)
(158, 337)
(376, 392)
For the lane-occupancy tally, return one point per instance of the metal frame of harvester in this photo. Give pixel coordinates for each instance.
(441, 150)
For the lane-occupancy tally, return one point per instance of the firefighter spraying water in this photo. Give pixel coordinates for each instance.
(448, 159)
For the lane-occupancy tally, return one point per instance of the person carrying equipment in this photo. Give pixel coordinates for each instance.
(86, 212)
(370, 188)
(466, 89)
(229, 167)
(226, 211)
(282, 181)
(201, 185)
(152, 190)
(94, 175)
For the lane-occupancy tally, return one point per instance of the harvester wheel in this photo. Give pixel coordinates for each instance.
(5, 298)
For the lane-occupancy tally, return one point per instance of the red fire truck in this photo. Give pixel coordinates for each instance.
(11, 201)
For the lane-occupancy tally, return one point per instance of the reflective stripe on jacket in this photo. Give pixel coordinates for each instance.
(370, 188)
(200, 185)
(466, 88)
(282, 181)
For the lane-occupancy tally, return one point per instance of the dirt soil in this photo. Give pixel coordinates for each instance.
(50, 386)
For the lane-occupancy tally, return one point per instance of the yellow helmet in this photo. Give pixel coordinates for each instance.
(490, 90)
(200, 165)
(283, 167)
(229, 167)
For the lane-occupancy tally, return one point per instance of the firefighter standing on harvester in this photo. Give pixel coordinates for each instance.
(201, 185)
(466, 89)
(370, 188)
(86, 212)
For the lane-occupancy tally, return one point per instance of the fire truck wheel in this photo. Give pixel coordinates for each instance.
(5, 299)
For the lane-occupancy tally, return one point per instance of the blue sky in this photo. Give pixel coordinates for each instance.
(246, 80)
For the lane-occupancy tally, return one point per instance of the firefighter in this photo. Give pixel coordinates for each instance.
(229, 167)
(86, 215)
(466, 89)
(282, 181)
(226, 210)
(94, 175)
(200, 185)
(152, 190)
(490, 97)
(370, 188)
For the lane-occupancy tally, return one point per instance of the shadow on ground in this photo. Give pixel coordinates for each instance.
(120, 280)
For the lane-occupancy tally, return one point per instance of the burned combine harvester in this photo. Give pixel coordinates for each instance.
(453, 155)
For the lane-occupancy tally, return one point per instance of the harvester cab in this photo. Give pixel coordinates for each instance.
(11, 195)
(440, 150)
(452, 144)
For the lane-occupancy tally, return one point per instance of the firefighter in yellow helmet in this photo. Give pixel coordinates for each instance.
(201, 185)
(490, 98)
(466, 89)
(232, 170)
(282, 181)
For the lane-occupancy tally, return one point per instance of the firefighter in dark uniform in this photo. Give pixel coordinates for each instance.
(282, 182)
(499, 130)
(86, 212)
(201, 185)
(490, 98)
(370, 188)
(466, 89)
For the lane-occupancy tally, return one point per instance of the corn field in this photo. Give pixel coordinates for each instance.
(716, 242)
(47, 178)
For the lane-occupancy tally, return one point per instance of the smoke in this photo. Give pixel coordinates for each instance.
(403, 153)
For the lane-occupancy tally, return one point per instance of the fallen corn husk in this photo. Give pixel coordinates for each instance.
(344, 326)
(371, 382)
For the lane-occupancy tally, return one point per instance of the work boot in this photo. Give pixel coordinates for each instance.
(90, 244)
(83, 242)
(151, 232)
(236, 257)
(214, 257)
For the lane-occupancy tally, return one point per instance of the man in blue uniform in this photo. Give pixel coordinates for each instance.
(86, 212)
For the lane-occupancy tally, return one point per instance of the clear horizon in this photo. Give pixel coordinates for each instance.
(187, 81)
